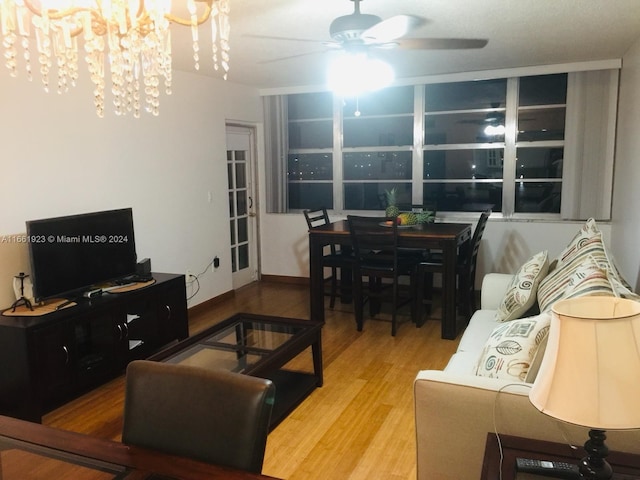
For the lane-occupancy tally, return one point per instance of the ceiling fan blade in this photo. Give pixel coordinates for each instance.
(440, 43)
(271, 37)
(279, 59)
(392, 28)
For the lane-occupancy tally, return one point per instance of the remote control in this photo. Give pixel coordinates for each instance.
(547, 468)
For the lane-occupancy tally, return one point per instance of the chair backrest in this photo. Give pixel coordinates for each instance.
(214, 416)
(372, 235)
(316, 217)
(475, 243)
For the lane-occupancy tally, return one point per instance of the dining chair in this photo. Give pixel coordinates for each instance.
(375, 245)
(465, 274)
(211, 415)
(337, 259)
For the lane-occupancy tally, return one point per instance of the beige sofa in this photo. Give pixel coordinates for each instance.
(455, 408)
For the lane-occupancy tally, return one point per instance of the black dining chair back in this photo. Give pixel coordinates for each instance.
(469, 264)
(375, 245)
(337, 259)
(465, 273)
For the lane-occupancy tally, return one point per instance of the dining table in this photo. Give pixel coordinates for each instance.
(453, 239)
(31, 450)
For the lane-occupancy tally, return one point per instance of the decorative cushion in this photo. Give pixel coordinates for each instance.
(521, 294)
(512, 346)
(622, 288)
(579, 277)
(587, 243)
(537, 361)
(589, 279)
(586, 232)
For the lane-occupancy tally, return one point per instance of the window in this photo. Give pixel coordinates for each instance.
(464, 131)
(453, 147)
(540, 143)
(310, 157)
(377, 148)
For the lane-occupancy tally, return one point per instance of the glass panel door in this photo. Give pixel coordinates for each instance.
(242, 206)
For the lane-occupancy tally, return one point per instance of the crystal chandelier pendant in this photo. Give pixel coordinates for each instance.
(131, 37)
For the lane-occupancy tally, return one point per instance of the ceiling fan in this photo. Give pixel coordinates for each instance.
(359, 32)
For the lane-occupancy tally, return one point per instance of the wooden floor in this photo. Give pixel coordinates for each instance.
(359, 425)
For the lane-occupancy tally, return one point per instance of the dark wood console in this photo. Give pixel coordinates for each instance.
(50, 359)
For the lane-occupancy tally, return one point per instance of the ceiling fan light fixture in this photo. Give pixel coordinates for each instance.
(352, 74)
(494, 130)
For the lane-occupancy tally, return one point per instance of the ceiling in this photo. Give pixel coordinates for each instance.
(520, 33)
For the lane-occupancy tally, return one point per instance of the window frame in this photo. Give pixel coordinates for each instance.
(509, 183)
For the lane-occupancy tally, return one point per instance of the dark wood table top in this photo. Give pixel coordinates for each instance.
(114, 459)
(443, 230)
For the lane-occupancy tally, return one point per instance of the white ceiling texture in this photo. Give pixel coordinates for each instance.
(520, 33)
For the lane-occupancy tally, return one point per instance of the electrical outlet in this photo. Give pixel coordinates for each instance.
(189, 276)
(216, 262)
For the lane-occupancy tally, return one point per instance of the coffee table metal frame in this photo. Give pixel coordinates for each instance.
(291, 337)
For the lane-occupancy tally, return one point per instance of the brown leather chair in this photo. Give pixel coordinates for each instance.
(215, 416)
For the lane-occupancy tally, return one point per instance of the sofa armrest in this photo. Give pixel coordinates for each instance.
(454, 413)
(494, 286)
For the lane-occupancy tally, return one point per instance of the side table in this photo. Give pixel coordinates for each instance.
(626, 466)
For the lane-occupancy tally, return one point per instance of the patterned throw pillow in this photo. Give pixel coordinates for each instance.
(586, 232)
(587, 243)
(511, 348)
(589, 279)
(521, 294)
(578, 278)
(590, 234)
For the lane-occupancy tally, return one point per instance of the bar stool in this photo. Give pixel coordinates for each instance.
(336, 259)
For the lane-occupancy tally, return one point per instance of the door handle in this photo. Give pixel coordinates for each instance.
(250, 202)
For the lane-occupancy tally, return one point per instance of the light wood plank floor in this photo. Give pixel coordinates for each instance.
(359, 425)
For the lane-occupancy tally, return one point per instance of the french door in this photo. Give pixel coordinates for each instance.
(242, 207)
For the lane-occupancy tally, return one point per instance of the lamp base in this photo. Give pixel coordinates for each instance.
(594, 466)
(21, 301)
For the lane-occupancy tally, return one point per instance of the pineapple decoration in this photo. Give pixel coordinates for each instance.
(425, 217)
(392, 210)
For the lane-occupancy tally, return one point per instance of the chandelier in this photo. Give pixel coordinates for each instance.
(129, 37)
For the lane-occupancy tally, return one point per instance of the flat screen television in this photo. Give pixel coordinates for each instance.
(72, 254)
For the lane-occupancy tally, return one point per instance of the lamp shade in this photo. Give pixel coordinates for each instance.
(590, 373)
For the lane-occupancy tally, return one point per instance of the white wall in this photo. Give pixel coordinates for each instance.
(626, 191)
(59, 158)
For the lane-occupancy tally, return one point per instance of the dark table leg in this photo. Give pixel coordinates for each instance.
(346, 279)
(316, 352)
(316, 283)
(449, 330)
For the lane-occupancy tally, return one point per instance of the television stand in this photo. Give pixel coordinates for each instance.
(58, 356)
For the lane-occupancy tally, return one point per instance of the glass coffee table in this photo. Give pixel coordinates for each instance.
(261, 346)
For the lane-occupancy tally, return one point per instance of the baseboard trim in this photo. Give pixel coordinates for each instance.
(285, 279)
(207, 304)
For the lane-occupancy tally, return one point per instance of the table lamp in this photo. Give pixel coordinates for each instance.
(590, 373)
